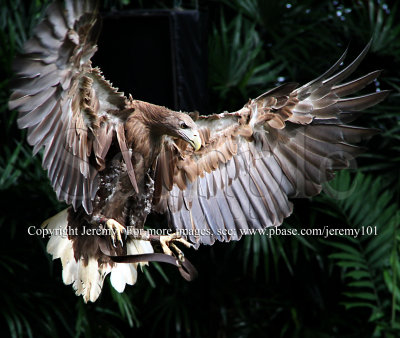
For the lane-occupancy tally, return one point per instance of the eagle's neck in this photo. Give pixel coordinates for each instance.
(142, 141)
(151, 116)
(144, 132)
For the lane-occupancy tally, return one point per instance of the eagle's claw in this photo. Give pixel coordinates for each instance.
(167, 244)
(116, 229)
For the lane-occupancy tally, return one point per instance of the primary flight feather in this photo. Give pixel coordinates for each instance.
(115, 159)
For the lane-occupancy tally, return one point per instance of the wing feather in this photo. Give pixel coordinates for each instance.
(67, 106)
(281, 145)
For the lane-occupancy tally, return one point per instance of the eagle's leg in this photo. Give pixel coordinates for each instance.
(116, 231)
(166, 241)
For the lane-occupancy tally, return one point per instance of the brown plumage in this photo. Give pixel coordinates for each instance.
(115, 159)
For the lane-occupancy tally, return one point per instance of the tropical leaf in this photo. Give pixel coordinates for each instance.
(235, 70)
(370, 258)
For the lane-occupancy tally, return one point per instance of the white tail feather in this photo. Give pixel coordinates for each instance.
(87, 280)
(122, 273)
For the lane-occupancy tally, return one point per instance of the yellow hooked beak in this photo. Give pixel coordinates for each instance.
(192, 137)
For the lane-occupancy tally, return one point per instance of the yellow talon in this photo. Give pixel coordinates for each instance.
(115, 231)
(167, 243)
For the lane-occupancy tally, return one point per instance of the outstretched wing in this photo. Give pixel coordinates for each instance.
(67, 106)
(283, 144)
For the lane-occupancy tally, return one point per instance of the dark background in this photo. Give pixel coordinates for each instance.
(284, 286)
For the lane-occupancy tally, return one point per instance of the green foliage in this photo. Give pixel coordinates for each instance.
(369, 260)
(273, 251)
(379, 21)
(236, 69)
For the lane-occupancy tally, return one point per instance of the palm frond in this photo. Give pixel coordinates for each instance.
(368, 255)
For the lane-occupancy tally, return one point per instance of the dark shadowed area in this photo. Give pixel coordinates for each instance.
(213, 56)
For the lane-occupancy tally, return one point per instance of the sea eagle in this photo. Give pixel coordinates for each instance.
(115, 159)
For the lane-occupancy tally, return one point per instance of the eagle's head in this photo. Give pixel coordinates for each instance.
(182, 126)
(163, 121)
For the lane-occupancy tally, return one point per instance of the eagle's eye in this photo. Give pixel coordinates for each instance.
(183, 125)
